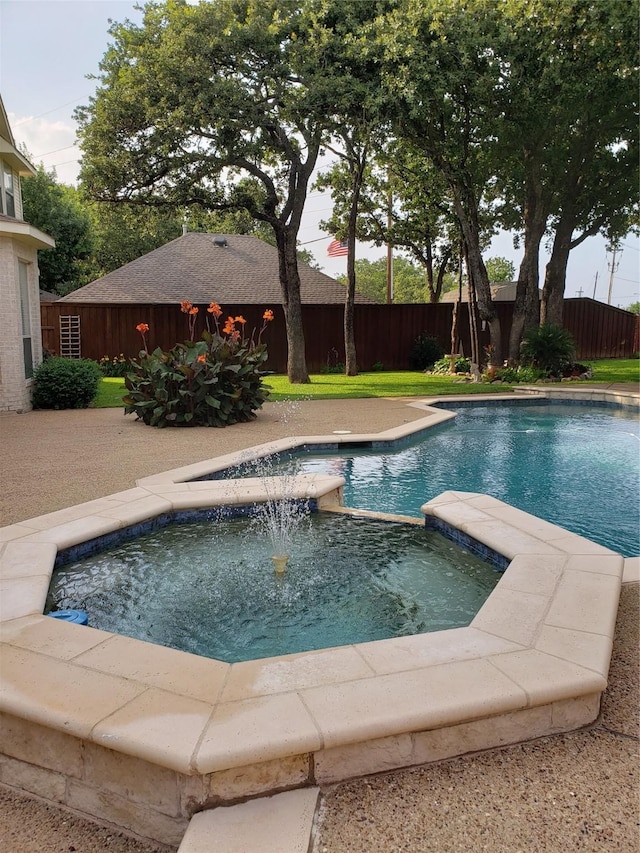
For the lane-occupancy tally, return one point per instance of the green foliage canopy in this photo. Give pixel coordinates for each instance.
(500, 269)
(216, 105)
(409, 281)
(58, 210)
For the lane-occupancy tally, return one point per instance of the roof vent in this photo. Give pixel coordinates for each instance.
(220, 242)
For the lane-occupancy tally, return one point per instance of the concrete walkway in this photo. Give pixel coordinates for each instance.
(571, 792)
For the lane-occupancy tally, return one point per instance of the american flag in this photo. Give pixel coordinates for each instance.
(337, 248)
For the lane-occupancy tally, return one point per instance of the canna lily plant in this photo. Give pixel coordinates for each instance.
(215, 381)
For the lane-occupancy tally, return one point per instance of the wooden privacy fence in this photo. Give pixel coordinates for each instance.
(384, 333)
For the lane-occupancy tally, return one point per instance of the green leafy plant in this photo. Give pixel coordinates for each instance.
(216, 381)
(443, 365)
(549, 348)
(515, 375)
(65, 383)
(426, 350)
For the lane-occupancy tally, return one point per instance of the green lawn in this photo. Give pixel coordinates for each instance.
(400, 383)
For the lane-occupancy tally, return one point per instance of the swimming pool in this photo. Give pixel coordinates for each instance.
(574, 465)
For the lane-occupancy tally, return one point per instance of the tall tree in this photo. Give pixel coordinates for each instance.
(214, 105)
(439, 69)
(597, 44)
(354, 130)
(57, 209)
(567, 136)
(404, 204)
(346, 178)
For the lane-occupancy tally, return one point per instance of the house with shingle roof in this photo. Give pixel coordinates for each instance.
(20, 329)
(229, 269)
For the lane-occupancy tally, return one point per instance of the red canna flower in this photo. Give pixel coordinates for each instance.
(214, 309)
(201, 359)
(267, 317)
(185, 306)
(143, 328)
(240, 319)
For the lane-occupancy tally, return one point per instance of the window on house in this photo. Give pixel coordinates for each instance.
(9, 190)
(25, 318)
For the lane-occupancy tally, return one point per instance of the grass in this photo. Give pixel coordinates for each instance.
(399, 383)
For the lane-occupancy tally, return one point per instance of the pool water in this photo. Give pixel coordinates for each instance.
(209, 587)
(576, 466)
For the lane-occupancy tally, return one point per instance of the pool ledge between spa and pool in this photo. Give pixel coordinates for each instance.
(143, 736)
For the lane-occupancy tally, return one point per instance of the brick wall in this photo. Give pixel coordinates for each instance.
(15, 390)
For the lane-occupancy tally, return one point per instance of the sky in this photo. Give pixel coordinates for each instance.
(49, 47)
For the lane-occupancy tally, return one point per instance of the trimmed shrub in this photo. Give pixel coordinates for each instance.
(425, 352)
(65, 383)
(549, 348)
(216, 381)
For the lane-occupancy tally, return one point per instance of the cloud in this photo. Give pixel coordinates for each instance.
(52, 143)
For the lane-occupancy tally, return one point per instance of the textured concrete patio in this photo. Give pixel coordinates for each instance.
(82, 450)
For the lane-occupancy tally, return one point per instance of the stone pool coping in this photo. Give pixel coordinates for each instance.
(144, 736)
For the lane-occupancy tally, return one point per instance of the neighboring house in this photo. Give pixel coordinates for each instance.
(20, 333)
(504, 291)
(232, 269)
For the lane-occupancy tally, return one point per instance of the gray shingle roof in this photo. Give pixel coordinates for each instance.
(193, 267)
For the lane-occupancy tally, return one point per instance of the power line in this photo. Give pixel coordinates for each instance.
(48, 112)
(55, 151)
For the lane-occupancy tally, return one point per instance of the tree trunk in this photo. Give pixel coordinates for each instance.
(467, 214)
(357, 173)
(556, 272)
(433, 297)
(454, 318)
(472, 310)
(350, 361)
(436, 293)
(526, 308)
(297, 372)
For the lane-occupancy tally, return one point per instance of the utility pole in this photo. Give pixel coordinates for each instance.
(613, 266)
(595, 284)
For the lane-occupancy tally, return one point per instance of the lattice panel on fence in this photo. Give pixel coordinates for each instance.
(70, 345)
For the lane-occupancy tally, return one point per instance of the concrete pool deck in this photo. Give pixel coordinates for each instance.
(511, 646)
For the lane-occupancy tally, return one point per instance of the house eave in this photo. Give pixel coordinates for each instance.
(25, 233)
(16, 160)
